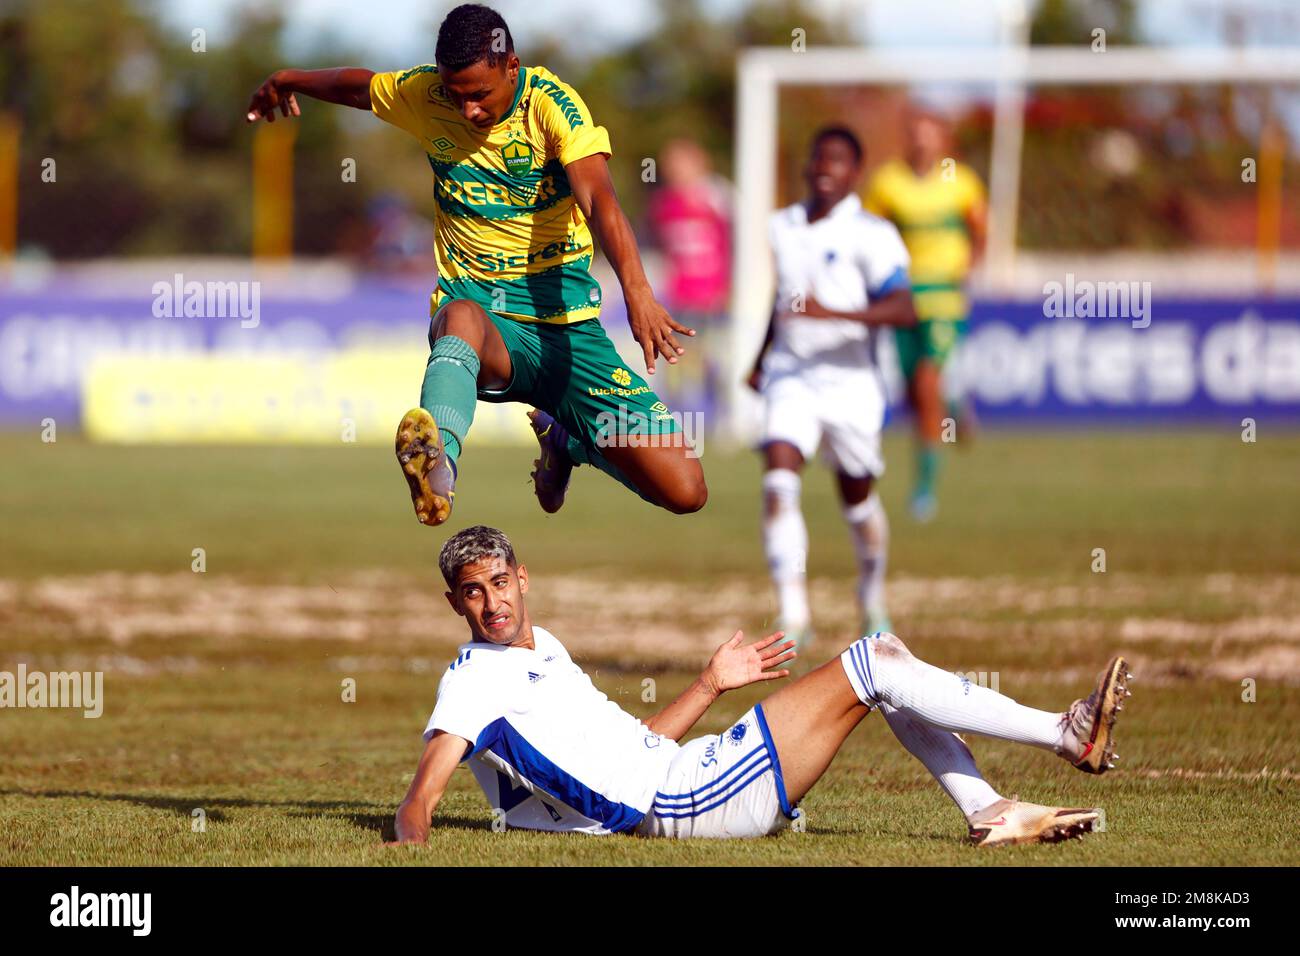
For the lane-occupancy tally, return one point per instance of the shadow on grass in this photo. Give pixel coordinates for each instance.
(184, 806)
(349, 811)
(383, 824)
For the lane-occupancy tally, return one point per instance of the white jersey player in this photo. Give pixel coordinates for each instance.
(551, 752)
(841, 275)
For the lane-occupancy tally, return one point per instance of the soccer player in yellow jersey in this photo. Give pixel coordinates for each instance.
(521, 180)
(939, 207)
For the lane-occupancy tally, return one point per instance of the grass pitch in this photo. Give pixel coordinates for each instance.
(223, 688)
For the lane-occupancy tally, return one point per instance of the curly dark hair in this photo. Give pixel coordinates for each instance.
(472, 32)
(473, 544)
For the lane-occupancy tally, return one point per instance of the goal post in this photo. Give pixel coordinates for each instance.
(1010, 71)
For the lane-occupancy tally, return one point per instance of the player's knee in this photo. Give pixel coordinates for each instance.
(688, 496)
(889, 645)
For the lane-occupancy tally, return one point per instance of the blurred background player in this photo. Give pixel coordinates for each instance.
(841, 272)
(939, 207)
(690, 222)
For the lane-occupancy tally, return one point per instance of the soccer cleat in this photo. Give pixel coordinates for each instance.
(1010, 821)
(552, 470)
(428, 470)
(1088, 727)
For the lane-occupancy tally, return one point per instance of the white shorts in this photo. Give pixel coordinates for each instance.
(725, 785)
(840, 410)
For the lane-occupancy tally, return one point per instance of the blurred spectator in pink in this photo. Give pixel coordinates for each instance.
(690, 222)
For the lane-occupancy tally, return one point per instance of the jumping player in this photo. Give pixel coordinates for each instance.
(938, 205)
(841, 274)
(551, 752)
(521, 180)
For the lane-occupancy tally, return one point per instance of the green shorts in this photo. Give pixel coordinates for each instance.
(574, 373)
(931, 339)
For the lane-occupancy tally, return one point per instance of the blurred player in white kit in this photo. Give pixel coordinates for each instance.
(841, 273)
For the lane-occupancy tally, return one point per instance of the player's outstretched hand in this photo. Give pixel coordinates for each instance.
(735, 666)
(653, 329)
(269, 97)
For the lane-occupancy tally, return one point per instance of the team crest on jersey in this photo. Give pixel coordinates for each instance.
(518, 157)
(737, 733)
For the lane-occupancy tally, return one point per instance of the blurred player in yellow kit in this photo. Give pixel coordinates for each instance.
(939, 207)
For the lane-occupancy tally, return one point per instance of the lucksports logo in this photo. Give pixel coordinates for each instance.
(621, 376)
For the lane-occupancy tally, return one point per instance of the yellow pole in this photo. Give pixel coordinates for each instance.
(1268, 217)
(273, 189)
(10, 131)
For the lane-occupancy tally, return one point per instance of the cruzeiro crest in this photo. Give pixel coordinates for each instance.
(518, 157)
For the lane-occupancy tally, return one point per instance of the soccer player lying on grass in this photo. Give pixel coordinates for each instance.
(521, 179)
(552, 752)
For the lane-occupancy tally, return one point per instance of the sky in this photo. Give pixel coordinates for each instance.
(405, 30)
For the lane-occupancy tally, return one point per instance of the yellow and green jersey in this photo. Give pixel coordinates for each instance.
(930, 212)
(509, 233)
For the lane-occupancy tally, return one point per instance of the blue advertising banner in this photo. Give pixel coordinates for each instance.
(51, 338)
(1192, 360)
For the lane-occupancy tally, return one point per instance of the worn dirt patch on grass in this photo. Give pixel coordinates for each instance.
(654, 622)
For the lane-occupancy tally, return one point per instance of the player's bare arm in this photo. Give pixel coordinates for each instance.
(894, 308)
(755, 377)
(977, 227)
(652, 326)
(441, 756)
(731, 666)
(345, 86)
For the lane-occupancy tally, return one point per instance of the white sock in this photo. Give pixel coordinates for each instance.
(785, 541)
(946, 757)
(869, 529)
(882, 670)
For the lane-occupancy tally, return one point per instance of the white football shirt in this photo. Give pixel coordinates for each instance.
(843, 260)
(549, 749)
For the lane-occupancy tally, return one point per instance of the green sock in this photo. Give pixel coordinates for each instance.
(927, 467)
(450, 390)
(582, 455)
